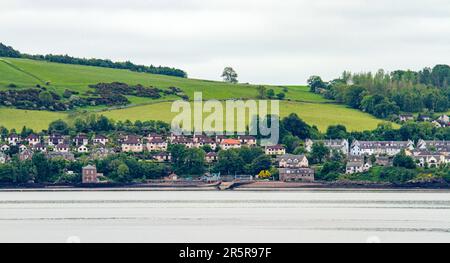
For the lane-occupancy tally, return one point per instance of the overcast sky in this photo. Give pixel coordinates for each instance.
(266, 41)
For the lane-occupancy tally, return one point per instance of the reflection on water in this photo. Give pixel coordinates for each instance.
(239, 216)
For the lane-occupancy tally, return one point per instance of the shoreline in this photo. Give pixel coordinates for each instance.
(245, 187)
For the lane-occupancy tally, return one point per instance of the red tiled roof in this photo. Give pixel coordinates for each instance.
(231, 142)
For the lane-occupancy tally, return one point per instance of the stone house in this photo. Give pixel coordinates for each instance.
(90, 175)
(275, 150)
(296, 175)
(293, 161)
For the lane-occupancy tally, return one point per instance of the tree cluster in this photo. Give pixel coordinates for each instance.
(387, 95)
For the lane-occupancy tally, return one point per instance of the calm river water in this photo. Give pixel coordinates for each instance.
(237, 216)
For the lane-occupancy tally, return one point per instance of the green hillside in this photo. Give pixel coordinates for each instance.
(28, 73)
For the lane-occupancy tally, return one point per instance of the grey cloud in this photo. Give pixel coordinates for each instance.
(267, 41)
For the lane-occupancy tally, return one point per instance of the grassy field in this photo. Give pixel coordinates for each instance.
(321, 115)
(37, 120)
(62, 76)
(27, 73)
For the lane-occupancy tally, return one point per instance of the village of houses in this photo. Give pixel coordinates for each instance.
(292, 168)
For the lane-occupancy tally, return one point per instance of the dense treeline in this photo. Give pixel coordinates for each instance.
(105, 63)
(387, 95)
(6, 51)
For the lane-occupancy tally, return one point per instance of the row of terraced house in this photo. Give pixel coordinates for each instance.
(425, 153)
(99, 146)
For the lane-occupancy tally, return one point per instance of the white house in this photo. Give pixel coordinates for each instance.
(433, 145)
(81, 139)
(228, 144)
(275, 150)
(389, 148)
(83, 149)
(206, 141)
(247, 140)
(5, 148)
(100, 139)
(357, 167)
(157, 144)
(13, 139)
(429, 159)
(55, 139)
(342, 146)
(33, 139)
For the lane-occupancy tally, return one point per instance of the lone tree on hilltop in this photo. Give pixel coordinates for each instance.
(229, 75)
